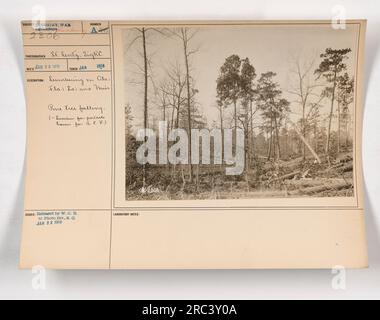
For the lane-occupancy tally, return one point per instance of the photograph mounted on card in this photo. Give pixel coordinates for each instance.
(193, 144)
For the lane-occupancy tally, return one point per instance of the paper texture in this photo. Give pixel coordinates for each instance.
(216, 144)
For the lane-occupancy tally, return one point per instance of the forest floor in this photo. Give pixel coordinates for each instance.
(296, 177)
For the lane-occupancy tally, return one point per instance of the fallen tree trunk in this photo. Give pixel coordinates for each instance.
(325, 187)
(334, 167)
(346, 168)
(286, 176)
(304, 183)
(312, 182)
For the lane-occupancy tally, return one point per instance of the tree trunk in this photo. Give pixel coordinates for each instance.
(164, 113)
(277, 138)
(235, 118)
(222, 131)
(271, 138)
(177, 118)
(235, 128)
(338, 127)
(252, 139)
(347, 132)
(185, 41)
(172, 119)
(246, 153)
(331, 114)
(303, 130)
(145, 80)
(145, 96)
(315, 138)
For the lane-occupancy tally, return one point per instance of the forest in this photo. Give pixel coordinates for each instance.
(298, 140)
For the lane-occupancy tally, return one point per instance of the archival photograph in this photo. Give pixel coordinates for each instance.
(239, 111)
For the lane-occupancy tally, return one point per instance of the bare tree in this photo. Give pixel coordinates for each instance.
(173, 87)
(142, 34)
(186, 35)
(305, 91)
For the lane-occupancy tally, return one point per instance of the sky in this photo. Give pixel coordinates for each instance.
(269, 48)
